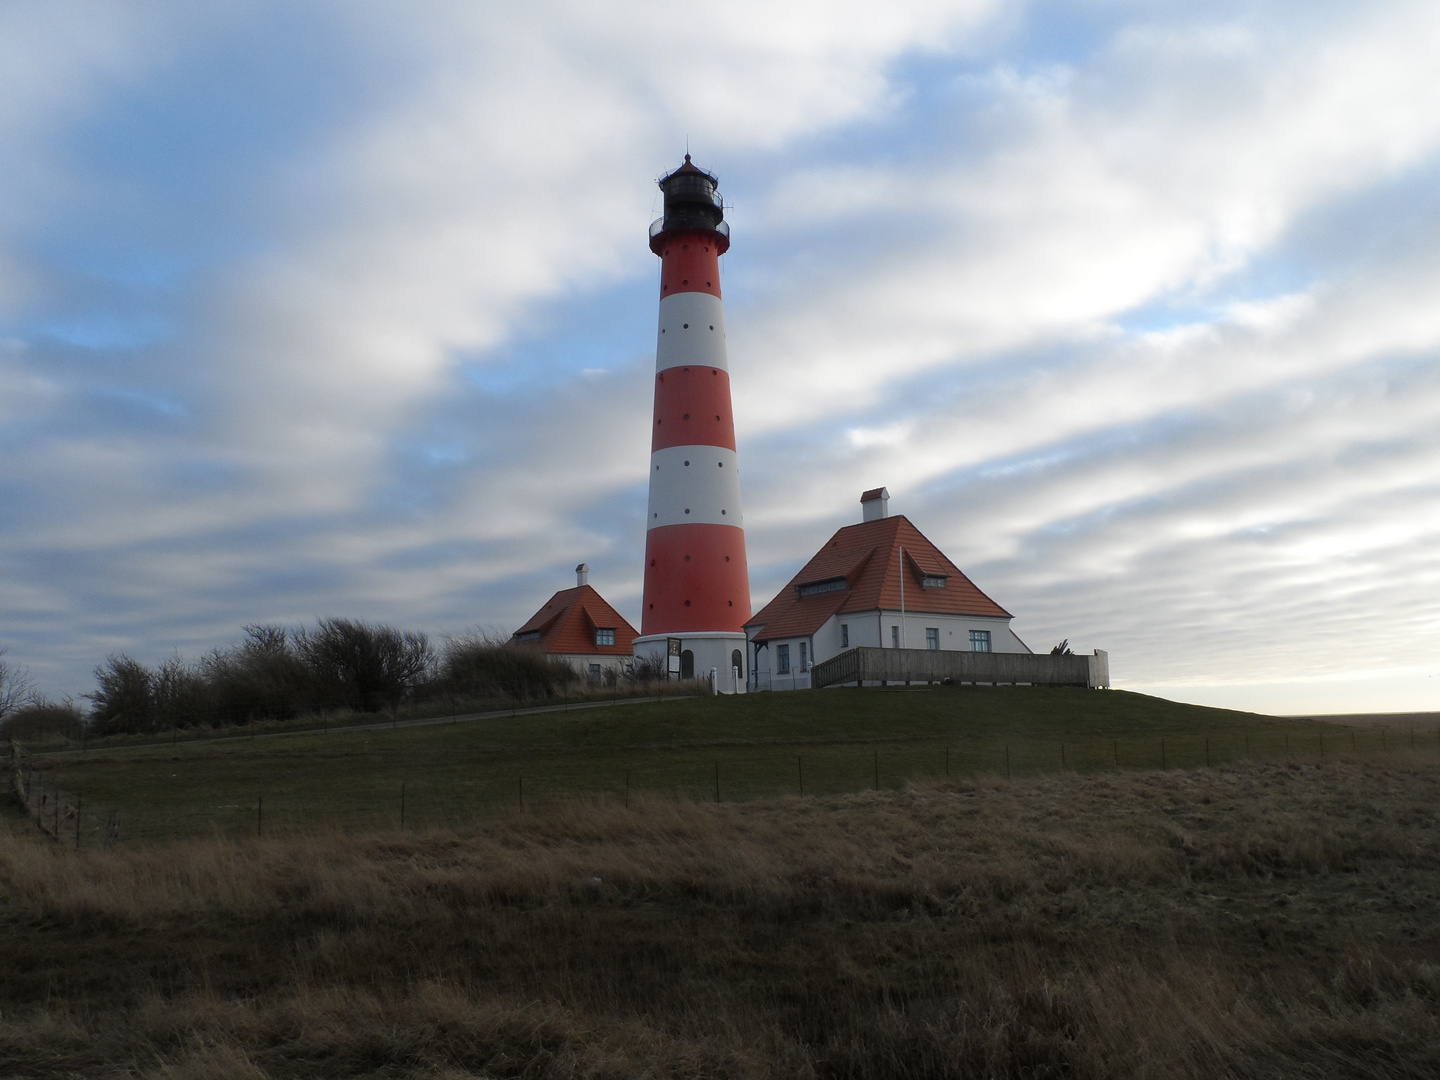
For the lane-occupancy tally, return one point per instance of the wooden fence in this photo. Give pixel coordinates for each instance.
(860, 666)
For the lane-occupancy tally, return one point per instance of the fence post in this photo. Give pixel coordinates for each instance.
(1207, 750)
(402, 804)
(800, 771)
(717, 781)
(1163, 765)
(627, 789)
(260, 815)
(947, 763)
(1007, 761)
(877, 770)
(1062, 757)
(1115, 746)
(79, 807)
(520, 789)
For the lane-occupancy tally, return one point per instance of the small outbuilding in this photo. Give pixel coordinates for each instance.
(578, 626)
(878, 584)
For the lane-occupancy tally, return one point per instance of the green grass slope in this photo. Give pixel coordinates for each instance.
(733, 748)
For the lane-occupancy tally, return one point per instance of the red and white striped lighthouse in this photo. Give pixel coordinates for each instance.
(697, 585)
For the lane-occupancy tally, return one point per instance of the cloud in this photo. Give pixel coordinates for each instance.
(1117, 301)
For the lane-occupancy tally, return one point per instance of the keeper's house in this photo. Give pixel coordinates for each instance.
(578, 626)
(878, 584)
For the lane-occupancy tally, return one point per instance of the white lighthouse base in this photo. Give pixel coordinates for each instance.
(709, 650)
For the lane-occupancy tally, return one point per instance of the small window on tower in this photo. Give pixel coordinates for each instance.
(605, 635)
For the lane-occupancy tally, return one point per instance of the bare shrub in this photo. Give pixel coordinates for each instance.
(362, 666)
(124, 699)
(481, 666)
(262, 678)
(43, 720)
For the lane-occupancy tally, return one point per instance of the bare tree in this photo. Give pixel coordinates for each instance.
(16, 688)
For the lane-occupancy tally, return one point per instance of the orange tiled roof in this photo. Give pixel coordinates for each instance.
(567, 624)
(867, 557)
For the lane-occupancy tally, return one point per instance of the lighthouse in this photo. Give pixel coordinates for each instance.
(697, 585)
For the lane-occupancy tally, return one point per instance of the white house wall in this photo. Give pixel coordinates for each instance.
(872, 629)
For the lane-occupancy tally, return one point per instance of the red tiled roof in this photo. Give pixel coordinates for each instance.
(568, 621)
(867, 557)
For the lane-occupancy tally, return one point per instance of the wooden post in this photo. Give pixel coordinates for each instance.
(79, 807)
(800, 771)
(717, 781)
(402, 804)
(1007, 762)
(520, 789)
(627, 789)
(260, 815)
(1115, 746)
(1207, 751)
(1062, 757)
(1163, 765)
(877, 770)
(947, 763)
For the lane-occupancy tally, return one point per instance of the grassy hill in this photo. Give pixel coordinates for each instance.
(736, 748)
(1274, 915)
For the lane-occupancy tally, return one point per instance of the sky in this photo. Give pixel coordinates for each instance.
(346, 309)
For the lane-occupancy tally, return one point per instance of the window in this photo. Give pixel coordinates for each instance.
(782, 659)
(594, 672)
(844, 636)
(814, 587)
(529, 635)
(980, 640)
(932, 637)
(605, 635)
(803, 665)
(932, 581)
(737, 662)
(894, 637)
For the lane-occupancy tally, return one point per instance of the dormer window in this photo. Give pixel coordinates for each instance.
(814, 588)
(529, 635)
(932, 581)
(605, 635)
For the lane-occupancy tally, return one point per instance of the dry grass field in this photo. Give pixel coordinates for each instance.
(1272, 919)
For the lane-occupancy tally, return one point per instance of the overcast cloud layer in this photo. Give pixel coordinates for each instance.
(346, 309)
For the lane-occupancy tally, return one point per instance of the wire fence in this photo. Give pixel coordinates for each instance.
(442, 793)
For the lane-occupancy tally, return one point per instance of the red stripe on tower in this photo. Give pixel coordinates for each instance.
(697, 584)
